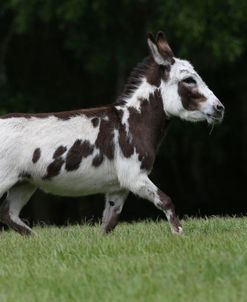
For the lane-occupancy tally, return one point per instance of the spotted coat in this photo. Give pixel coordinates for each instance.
(109, 150)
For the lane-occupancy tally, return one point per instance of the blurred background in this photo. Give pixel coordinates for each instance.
(63, 55)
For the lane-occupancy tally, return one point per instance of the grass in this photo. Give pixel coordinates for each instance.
(137, 262)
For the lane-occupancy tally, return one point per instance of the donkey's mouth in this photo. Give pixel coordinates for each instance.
(214, 119)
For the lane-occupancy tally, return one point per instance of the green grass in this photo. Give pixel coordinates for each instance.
(137, 262)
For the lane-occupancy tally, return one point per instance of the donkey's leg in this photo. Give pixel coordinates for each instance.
(6, 182)
(113, 207)
(144, 188)
(16, 199)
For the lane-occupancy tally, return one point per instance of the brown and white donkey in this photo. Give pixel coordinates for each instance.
(109, 150)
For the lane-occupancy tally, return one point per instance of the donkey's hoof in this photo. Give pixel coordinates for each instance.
(177, 231)
(21, 228)
(106, 229)
(24, 231)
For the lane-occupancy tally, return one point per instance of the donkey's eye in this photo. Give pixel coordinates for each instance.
(189, 80)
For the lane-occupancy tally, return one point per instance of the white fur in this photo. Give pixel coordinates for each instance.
(141, 92)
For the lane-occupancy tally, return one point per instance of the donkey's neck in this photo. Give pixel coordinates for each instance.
(134, 100)
(144, 121)
(148, 119)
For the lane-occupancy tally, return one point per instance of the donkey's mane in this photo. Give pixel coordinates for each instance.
(134, 80)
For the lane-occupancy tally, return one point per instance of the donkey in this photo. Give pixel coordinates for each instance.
(109, 150)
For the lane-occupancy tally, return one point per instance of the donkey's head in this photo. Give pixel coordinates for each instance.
(183, 91)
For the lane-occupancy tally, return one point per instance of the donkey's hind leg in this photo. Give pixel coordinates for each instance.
(113, 207)
(10, 209)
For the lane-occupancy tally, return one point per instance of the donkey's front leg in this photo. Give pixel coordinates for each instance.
(113, 207)
(147, 190)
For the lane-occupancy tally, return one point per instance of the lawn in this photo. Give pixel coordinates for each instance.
(137, 262)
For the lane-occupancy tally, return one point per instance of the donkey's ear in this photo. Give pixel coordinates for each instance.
(160, 49)
(154, 50)
(163, 45)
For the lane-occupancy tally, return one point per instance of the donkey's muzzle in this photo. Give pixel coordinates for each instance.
(219, 110)
(216, 113)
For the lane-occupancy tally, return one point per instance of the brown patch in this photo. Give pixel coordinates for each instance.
(154, 73)
(190, 96)
(165, 205)
(147, 129)
(98, 159)
(95, 121)
(54, 168)
(36, 155)
(17, 115)
(59, 151)
(96, 112)
(124, 141)
(120, 113)
(104, 141)
(126, 146)
(66, 115)
(165, 201)
(76, 153)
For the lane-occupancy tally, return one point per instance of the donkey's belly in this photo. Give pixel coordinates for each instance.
(81, 189)
(80, 184)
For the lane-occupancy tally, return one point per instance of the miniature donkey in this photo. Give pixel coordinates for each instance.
(109, 150)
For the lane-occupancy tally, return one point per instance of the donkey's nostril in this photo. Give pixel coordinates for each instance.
(219, 107)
